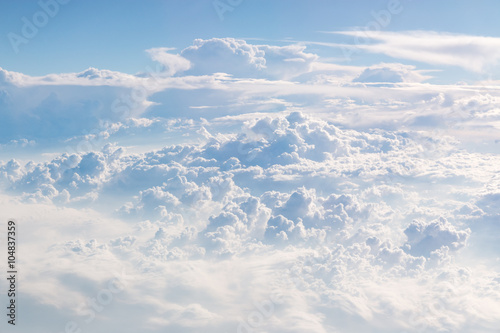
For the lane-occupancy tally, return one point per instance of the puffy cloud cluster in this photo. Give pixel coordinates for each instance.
(60, 110)
(254, 179)
(390, 73)
(238, 58)
(426, 238)
(225, 77)
(340, 223)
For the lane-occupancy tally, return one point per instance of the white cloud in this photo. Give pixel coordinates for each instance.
(258, 78)
(392, 73)
(474, 53)
(284, 178)
(426, 238)
(238, 58)
(174, 63)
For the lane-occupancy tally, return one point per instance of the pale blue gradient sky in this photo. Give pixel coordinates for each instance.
(113, 34)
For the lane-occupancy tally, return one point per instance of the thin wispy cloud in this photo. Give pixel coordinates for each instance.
(473, 53)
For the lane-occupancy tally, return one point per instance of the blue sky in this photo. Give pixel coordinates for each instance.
(114, 34)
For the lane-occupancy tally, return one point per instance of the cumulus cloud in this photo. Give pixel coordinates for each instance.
(240, 59)
(306, 201)
(392, 73)
(426, 238)
(240, 78)
(62, 106)
(173, 63)
(289, 205)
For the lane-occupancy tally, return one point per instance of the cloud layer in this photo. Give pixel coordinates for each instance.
(473, 53)
(327, 227)
(243, 187)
